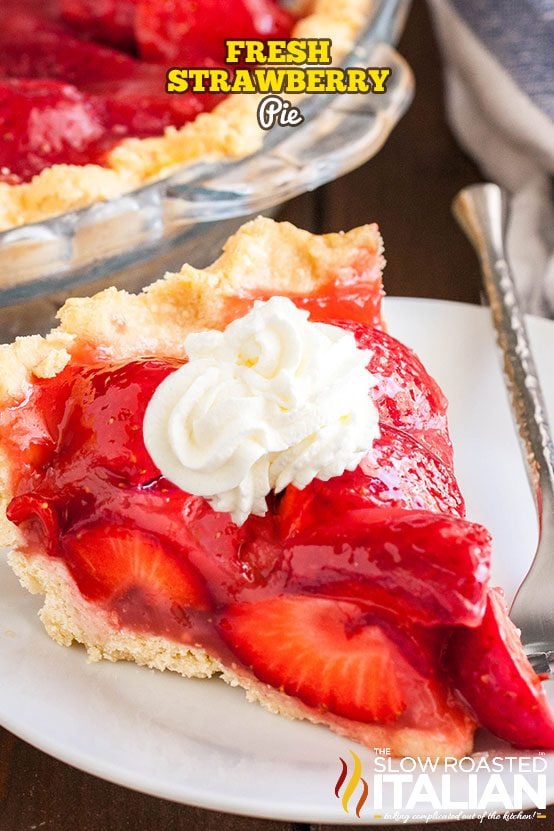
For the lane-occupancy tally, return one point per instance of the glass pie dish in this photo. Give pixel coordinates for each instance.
(187, 216)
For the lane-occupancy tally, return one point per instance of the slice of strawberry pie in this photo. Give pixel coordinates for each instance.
(238, 472)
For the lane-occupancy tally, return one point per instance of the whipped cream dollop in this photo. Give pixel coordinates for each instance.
(272, 400)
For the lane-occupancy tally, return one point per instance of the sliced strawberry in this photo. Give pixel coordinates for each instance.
(492, 672)
(433, 568)
(112, 21)
(343, 662)
(110, 562)
(316, 650)
(44, 123)
(185, 30)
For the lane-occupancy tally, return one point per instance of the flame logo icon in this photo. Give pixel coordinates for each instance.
(351, 784)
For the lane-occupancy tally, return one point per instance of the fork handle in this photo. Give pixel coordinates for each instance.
(482, 211)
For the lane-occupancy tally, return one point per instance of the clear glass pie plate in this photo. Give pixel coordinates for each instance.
(130, 240)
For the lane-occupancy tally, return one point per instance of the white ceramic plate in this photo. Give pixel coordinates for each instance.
(200, 742)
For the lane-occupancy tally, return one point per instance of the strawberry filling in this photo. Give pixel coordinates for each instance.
(365, 597)
(77, 76)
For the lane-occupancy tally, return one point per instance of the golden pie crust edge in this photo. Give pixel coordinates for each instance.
(230, 130)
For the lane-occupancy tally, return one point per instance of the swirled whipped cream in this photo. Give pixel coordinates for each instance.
(272, 400)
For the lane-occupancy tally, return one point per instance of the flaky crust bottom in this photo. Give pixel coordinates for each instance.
(229, 131)
(68, 618)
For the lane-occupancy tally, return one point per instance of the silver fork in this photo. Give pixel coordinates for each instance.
(482, 211)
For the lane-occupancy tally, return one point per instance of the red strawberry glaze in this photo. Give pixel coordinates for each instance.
(43, 122)
(73, 84)
(384, 551)
(109, 21)
(181, 31)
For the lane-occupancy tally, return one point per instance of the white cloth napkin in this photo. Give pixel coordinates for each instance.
(499, 72)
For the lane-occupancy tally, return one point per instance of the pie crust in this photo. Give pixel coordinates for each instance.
(230, 130)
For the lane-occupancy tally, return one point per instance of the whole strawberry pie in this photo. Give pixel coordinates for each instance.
(239, 472)
(84, 115)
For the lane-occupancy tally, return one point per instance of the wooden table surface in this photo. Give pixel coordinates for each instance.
(407, 189)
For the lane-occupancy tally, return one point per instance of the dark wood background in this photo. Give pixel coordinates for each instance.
(407, 189)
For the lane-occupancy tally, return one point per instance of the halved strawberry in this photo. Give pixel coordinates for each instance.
(32, 47)
(343, 662)
(128, 93)
(139, 105)
(112, 563)
(434, 568)
(492, 672)
(319, 651)
(101, 426)
(32, 431)
(48, 9)
(112, 21)
(184, 31)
